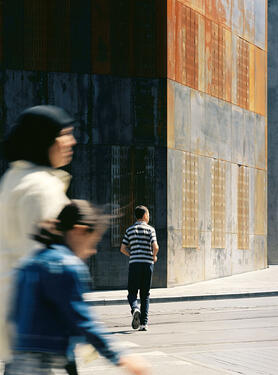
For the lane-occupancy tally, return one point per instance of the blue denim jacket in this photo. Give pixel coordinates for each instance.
(48, 306)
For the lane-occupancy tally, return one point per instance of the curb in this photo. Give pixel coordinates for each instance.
(187, 298)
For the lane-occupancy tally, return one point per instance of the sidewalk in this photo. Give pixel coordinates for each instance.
(261, 283)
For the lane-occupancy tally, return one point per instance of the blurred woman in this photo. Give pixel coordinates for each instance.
(31, 190)
(48, 305)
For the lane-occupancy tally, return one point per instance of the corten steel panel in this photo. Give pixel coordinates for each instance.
(249, 20)
(243, 208)
(218, 204)
(186, 46)
(35, 35)
(198, 5)
(260, 81)
(59, 54)
(190, 201)
(171, 38)
(225, 130)
(212, 58)
(260, 202)
(219, 10)
(249, 138)
(242, 73)
(238, 17)
(180, 63)
(238, 131)
(221, 63)
(252, 77)
(101, 37)
(260, 23)
(234, 68)
(170, 114)
(227, 65)
(201, 53)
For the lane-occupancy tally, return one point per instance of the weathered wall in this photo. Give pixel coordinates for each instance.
(104, 62)
(216, 134)
(171, 100)
(272, 133)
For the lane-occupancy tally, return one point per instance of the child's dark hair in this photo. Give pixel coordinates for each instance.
(140, 211)
(77, 212)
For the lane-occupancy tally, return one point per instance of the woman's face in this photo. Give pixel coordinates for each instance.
(60, 153)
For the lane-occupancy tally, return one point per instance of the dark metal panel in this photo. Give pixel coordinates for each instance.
(13, 11)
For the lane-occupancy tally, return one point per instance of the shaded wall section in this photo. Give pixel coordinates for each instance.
(104, 62)
(272, 133)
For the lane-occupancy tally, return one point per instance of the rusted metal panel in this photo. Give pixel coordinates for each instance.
(260, 203)
(251, 77)
(170, 114)
(238, 17)
(171, 38)
(260, 81)
(227, 65)
(260, 23)
(218, 204)
(180, 63)
(190, 201)
(260, 142)
(198, 5)
(186, 46)
(249, 20)
(201, 53)
(219, 10)
(234, 68)
(212, 58)
(242, 73)
(243, 208)
(35, 35)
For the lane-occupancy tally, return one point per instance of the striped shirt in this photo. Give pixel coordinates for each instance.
(140, 237)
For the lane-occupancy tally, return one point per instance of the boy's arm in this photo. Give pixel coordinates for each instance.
(124, 250)
(155, 250)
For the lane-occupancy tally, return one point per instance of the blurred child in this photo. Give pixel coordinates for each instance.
(48, 308)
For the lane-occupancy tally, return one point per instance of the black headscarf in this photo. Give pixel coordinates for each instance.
(34, 132)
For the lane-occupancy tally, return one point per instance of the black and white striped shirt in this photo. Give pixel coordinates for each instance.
(140, 237)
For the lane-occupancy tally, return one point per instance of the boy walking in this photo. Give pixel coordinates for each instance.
(140, 245)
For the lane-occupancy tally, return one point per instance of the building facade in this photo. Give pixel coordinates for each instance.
(170, 96)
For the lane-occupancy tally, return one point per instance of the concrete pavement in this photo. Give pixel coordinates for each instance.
(260, 283)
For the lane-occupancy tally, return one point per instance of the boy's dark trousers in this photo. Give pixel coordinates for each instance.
(140, 278)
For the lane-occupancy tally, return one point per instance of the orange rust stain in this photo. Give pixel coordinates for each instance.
(171, 38)
(251, 77)
(243, 73)
(201, 53)
(227, 65)
(198, 5)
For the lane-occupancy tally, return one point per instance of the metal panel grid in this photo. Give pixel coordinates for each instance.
(219, 10)
(186, 46)
(243, 208)
(242, 73)
(218, 204)
(212, 58)
(35, 35)
(121, 199)
(198, 5)
(190, 201)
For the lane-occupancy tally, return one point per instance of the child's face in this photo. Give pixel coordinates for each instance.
(82, 242)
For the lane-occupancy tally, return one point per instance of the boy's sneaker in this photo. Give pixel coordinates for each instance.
(136, 319)
(143, 328)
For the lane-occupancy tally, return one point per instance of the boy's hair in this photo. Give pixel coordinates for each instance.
(140, 211)
(77, 212)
